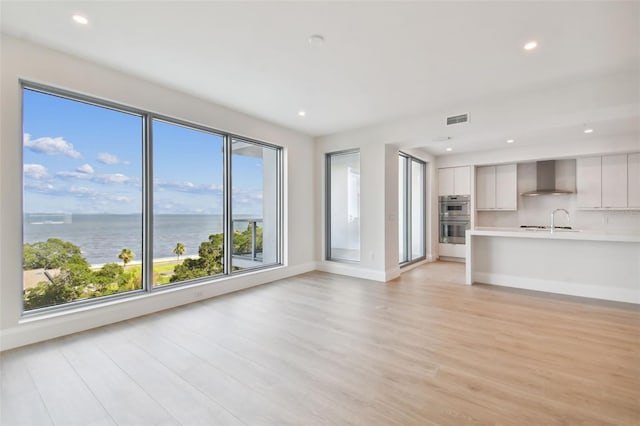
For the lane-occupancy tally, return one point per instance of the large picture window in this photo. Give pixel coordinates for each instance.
(411, 205)
(255, 200)
(343, 206)
(118, 201)
(82, 200)
(188, 203)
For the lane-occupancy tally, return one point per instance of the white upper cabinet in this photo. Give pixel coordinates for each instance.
(589, 182)
(507, 187)
(497, 187)
(633, 181)
(454, 181)
(486, 187)
(614, 181)
(462, 180)
(609, 182)
(445, 181)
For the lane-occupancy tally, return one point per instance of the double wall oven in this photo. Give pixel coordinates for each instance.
(455, 218)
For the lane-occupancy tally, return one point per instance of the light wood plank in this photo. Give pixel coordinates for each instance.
(321, 349)
(20, 401)
(68, 399)
(126, 402)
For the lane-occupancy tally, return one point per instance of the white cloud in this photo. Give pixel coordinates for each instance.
(85, 175)
(79, 192)
(112, 178)
(106, 158)
(186, 186)
(83, 191)
(76, 175)
(85, 168)
(50, 146)
(119, 198)
(40, 187)
(35, 171)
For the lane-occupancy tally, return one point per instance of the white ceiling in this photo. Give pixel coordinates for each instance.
(381, 60)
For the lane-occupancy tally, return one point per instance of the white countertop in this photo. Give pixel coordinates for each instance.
(558, 234)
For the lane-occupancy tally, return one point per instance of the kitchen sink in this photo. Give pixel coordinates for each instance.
(549, 230)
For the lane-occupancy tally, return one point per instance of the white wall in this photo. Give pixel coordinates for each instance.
(379, 203)
(22, 60)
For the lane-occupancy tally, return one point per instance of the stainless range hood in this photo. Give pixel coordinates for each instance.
(546, 180)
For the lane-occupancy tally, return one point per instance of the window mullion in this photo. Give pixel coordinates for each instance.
(147, 207)
(227, 214)
(408, 212)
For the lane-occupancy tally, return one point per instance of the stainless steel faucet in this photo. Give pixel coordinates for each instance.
(553, 215)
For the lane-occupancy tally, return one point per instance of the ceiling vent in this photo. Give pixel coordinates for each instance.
(457, 119)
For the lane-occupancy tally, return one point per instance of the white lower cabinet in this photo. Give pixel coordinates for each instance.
(452, 250)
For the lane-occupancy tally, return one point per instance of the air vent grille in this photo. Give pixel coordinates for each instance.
(457, 119)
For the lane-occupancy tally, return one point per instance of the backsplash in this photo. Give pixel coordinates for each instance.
(537, 210)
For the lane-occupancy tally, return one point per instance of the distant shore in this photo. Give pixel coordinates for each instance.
(33, 276)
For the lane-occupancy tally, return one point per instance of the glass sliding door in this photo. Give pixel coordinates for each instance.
(255, 201)
(188, 203)
(403, 211)
(417, 209)
(411, 209)
(343, 206)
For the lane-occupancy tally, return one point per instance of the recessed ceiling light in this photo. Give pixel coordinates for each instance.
(316, 40)
(588, 130)
(449, 149)
(511, 140)
(531, 45)
(302, 113)
(80, 19)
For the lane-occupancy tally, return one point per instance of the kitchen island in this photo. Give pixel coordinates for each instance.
(581, 263)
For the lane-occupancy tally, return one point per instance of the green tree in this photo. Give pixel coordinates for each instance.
(75, 280)
(105, 278)
(48, 294)
(71, 283)
(208, 263)
(242, 240)
(50, 254)
(126, 256)
(179, 250)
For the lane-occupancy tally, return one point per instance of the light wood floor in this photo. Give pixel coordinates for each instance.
(327, 349)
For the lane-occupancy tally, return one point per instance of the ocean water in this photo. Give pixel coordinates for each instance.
(102, 237)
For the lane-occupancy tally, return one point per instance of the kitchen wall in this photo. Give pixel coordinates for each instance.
(537, 210)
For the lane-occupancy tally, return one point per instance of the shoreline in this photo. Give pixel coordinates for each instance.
(32, 277)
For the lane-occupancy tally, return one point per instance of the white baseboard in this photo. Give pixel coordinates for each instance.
(392, 273)
(560, 287)
(352, 271)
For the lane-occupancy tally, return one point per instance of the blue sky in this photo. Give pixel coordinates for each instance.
(80, 158)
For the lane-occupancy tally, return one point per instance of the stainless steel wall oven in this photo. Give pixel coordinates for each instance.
(455, 218)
